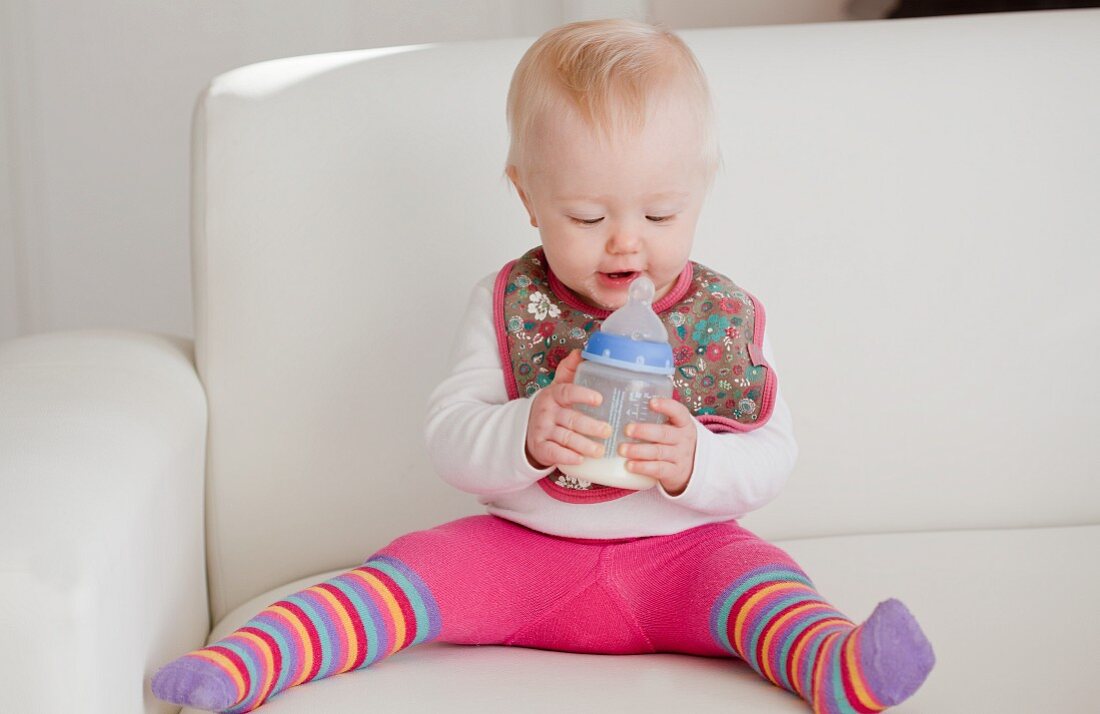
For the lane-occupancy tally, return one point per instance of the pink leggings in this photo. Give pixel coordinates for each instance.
(715, 590)
(496, 582)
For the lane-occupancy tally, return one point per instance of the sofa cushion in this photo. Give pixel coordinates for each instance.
(1010, 613)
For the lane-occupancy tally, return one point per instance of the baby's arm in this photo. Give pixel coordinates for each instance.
(475, 436)
(736, 473)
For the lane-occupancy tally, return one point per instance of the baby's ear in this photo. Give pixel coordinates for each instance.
(513, 176)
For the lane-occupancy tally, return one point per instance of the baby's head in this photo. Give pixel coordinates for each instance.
(613, 150)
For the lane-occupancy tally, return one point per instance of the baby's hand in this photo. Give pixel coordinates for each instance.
(669, 455)
(556, 432)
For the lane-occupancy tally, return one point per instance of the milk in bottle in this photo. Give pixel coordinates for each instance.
(629, 361)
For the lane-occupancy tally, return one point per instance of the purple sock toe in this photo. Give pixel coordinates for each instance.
(195, 683)
(895, 656)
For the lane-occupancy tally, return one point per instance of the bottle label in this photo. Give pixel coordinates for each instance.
(621, 407)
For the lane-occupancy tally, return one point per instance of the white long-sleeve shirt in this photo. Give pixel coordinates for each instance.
(476, 440)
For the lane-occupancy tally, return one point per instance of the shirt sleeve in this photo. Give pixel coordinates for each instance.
(476, 436)
(738, 472)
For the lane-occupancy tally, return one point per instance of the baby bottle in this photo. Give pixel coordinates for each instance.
(629, 362)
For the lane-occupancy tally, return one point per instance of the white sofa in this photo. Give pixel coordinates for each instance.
(914, 202)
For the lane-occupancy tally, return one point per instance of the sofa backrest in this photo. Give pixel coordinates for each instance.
(913, 202)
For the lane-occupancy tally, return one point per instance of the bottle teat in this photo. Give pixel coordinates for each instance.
(636, 318)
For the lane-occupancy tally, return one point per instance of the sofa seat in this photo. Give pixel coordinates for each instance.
(974, 592)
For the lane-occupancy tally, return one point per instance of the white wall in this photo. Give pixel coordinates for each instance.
(95, 110)
(12, 263)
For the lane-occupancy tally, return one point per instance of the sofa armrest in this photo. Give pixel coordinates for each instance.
(102, 563)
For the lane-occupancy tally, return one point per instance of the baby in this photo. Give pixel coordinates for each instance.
(613, 152)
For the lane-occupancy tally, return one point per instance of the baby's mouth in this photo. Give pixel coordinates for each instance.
(619, 280)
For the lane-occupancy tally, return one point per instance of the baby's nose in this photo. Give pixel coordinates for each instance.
(623, 241)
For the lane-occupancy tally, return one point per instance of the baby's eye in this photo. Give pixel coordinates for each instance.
(584, 222)
(658, 219)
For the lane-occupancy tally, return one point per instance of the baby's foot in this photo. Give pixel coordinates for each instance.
(871, 667)
(196, 683)
(895, 655)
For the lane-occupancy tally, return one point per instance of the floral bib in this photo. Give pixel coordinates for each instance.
(715, 328)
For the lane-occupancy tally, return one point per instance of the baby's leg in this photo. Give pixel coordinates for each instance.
(748, 598)
(351, 621)
(424, 586)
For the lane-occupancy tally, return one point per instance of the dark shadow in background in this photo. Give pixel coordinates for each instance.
(922, 8)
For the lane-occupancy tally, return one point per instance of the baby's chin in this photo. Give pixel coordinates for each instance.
(596, 302)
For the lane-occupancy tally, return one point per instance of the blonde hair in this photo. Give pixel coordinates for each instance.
(609, 72)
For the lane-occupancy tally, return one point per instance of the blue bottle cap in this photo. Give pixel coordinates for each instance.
(635, 355)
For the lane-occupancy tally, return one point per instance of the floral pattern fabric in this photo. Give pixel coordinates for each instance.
(711, 330)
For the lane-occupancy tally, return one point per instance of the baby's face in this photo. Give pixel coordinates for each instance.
(607, 214)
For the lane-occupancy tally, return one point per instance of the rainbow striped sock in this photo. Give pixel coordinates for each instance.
(346, 623)
(774, 620)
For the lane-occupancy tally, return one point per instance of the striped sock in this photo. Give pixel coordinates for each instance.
(774, 620)
(346, 623)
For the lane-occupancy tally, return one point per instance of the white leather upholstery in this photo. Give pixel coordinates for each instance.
(913, 202)
(101, 517)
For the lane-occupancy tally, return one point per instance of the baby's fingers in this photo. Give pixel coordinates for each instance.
(575, 442)
(573, 420)
(567, 368)
(567, 394)
(650, 452)
(655, 433)
(677, 413)
(552, 453)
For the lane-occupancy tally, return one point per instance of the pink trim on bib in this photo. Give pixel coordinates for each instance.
(502, 330)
